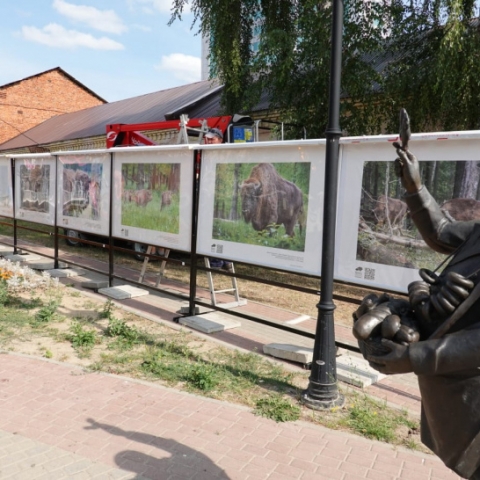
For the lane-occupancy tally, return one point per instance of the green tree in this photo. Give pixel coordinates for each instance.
(418, 54)
(436, 71)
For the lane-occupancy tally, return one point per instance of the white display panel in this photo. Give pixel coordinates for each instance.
(153, 196)
(377, 243)
(83, 198)
(263, 204)
(35, 188)
(6, 190)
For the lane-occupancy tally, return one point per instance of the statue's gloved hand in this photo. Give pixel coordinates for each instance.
(455, 288)
(396, 361)
(438, 301)
(406, 167)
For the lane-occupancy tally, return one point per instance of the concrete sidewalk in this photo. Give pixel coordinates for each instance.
(58, 422)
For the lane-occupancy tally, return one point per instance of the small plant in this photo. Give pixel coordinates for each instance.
(4, 295)
(46, 313)
(118, 328)
(203, 377)
(81, 337)
(107, 310)
(48, 354)
(125, 335)
(277, 408)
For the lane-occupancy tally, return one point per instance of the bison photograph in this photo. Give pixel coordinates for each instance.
(386, 234)
(264, 204)
(150, 196)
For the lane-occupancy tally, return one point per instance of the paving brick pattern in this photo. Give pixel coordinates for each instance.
(58, 422)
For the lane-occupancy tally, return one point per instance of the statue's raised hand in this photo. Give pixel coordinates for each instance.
(406, 167)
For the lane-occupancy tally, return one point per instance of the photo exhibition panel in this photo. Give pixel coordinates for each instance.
(377, 242)
(6, 189)
(152, 200)
(263, 205)
(83, 196)
(35, 188)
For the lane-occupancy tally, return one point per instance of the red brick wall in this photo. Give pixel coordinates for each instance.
(34, 100)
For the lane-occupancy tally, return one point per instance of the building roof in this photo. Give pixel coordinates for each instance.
(197, 100)
(62, 72)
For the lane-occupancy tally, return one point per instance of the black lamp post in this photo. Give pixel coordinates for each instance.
(322, 392)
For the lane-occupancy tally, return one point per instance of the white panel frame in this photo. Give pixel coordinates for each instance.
(6, 187)
(97, 225)
(308, 261)
(182, 155)
(450, 146)
(22, 212)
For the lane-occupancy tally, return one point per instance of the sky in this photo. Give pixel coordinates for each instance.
(119, 49)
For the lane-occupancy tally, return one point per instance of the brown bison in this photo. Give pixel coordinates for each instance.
(269, 199)
(392, 208)
(166, 199)
(462, 209)
(129, 195)
(143, 197)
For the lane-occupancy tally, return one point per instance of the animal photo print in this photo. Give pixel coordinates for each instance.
(151, 196)
(386, 233)
(262, 204)
(82, 190)
(35, 188)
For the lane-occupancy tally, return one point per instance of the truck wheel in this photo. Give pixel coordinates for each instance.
(74, 234)
(139, 249)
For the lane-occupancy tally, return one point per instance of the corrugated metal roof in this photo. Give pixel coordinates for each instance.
(200, 99)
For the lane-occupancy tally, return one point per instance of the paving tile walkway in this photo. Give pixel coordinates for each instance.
(58, 422)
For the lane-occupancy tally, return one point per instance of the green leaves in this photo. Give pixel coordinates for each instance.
(421, 54)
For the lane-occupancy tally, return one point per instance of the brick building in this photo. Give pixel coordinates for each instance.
(29, 102)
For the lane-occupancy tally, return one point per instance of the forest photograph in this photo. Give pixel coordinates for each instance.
(82, 190)
(151, 196)
(386, 233)
(262, 204)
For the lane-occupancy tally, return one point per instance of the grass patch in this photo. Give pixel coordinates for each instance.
(277, 408)
(373, 419)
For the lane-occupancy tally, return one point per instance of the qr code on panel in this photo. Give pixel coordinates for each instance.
(369, 274)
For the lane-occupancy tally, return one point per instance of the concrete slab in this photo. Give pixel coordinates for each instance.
(210, 322)
(185, 307)
(356, 371)
(94, 284)
(24, 257)
(65, 272)
(240, 303)
(290, 352)
(92, 280)
(6, 250)
(122, 292)
(45, 264)
(297, 320)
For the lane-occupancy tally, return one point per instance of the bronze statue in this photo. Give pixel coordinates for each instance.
(436, 336)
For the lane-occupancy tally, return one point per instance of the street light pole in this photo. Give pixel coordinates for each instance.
(322, 392)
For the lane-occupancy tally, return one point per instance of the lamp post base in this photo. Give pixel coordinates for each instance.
(322, 397)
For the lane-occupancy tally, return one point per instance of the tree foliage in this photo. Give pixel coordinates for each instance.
(418, 54)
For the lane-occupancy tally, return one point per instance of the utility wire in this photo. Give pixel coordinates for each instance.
(19, 131)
